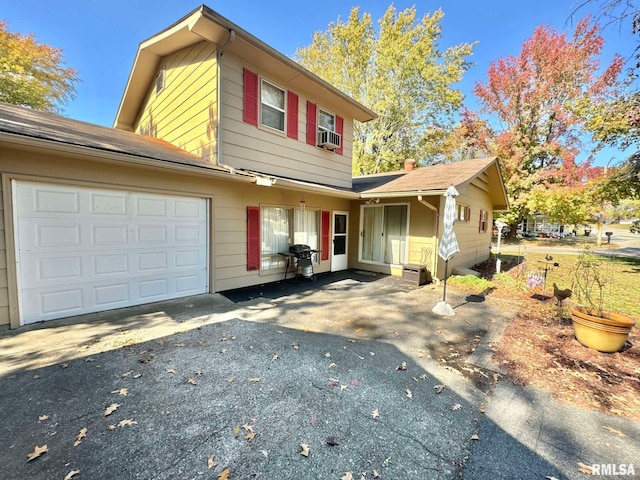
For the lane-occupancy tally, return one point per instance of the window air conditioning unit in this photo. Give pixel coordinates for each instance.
(328, 139)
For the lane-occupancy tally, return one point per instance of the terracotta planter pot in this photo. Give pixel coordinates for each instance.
(605, 334)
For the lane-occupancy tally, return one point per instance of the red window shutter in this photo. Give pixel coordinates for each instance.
(250, 99)
(340, 131)
(312, 124)
(253, 238)
(292, 115)
(324, 239)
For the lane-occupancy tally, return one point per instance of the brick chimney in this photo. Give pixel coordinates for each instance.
(409, 164)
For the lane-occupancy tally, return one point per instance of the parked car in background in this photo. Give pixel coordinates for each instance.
(505, 231)
(635, 226)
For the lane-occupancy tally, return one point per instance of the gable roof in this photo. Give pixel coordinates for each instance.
(203, 23)
(434, 180)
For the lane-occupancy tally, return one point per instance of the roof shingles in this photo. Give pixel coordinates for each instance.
(435, 178)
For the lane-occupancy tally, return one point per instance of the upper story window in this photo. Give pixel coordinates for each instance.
(272, 106)
(326, 121)
(328, 137)
(160, 80)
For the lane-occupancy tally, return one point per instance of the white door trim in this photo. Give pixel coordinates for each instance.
(339, 261)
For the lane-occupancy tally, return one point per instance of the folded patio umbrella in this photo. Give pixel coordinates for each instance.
(448, 246)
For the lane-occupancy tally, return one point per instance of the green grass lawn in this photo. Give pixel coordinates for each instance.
(621, 292)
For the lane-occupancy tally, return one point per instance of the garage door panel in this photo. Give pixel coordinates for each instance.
(112, 296)
(110, 264)
(54, 304)
(153, 262)
(185, 208)
(108, 204)
(97, 249)
(189, 258)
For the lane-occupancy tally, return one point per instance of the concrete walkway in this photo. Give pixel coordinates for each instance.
(355, 367)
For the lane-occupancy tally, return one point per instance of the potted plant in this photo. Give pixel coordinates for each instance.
(594, 326)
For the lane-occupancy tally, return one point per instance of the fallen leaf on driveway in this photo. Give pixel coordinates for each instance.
(327, 354)
(457, 406)
(42, 418)
(376, 474)
(475, 437)
(305, 450)
(265, 453)
(211, 463)
(343, 388)
(551, 478)
(375, 413)
(128, 421)
(36, 376)
(332, 441)
(295, 346)
(111, 408)
(191, 381)
(254, 379)
(409, 394)
(275, 357)
(64, 365)
(582, 468)
(198, 373)
(402, 366)
(332, 365)
(126, 374)
(250, 436)
(171, 370)
(81, 435)
(247, 427)
(613, 430)
(347, 476)
(224, 475)
(439, 388)
(71, 474)
(37, 451)
(122, 391)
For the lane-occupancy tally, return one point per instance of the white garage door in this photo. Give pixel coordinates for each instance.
(82, 250)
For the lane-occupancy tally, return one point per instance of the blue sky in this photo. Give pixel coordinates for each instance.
(99, 38)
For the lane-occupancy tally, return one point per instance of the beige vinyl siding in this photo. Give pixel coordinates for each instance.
(474, 246)
(249, 147)
(184, 112)
(4, 291)
(228, 200)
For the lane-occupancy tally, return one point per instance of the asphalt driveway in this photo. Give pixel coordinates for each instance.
(354, 367)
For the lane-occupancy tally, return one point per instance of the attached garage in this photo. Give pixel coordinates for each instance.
(83, 249)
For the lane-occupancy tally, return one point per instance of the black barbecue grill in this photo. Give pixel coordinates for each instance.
(302, 255)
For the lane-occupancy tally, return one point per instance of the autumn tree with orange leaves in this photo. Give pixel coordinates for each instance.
(537, 98)
(33, 74)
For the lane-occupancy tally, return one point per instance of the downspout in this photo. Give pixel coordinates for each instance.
(428, 205)
(220, 53)
(436, 225)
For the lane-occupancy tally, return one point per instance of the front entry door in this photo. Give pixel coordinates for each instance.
(339, 248)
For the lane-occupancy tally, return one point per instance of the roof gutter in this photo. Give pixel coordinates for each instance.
(300, 186)
(415, 193)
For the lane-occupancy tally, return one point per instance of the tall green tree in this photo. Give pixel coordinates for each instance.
(398, 70)
(617, 124)
(537, 98)
(33, 74)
